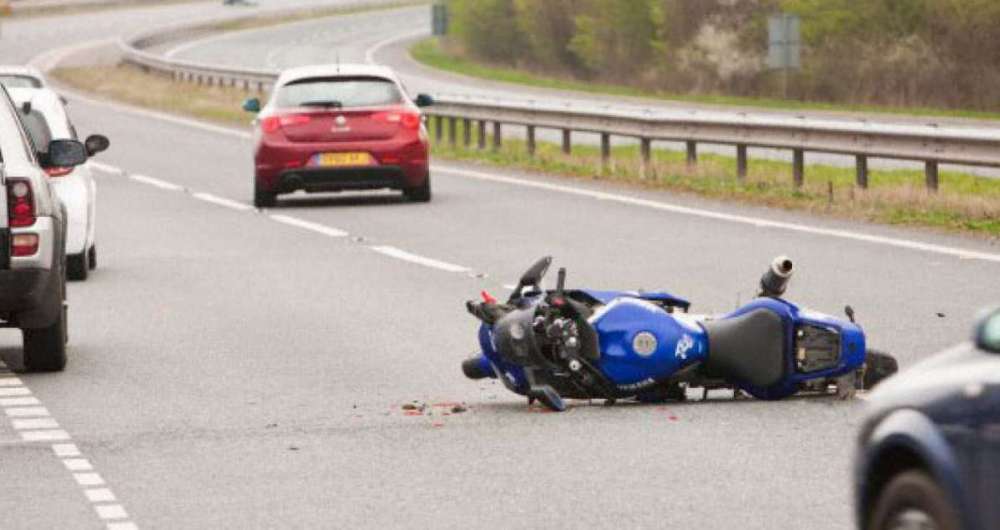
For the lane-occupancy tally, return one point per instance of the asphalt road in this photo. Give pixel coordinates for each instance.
(240, 369)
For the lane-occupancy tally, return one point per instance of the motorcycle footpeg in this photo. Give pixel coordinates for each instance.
(547, 396)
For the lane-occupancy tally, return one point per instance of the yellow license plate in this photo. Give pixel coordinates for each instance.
(344, 159)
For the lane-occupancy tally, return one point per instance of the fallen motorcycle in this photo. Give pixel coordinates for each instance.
(613, 345)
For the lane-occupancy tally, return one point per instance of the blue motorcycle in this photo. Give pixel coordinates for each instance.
(612, 345)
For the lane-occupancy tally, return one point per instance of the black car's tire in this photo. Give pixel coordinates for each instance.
(264, 199)
(421, 193)
(77, 266)
(913, 496)
(92, 257)
(45, 348)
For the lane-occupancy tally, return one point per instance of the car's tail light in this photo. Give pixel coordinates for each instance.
(408, 120)
(273, 124)
(20, 203)
(58, 171)
(24, 245)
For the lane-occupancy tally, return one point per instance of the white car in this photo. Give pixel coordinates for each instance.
(14, 76)
(44, 116)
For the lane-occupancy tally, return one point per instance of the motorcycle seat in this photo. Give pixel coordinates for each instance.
(749, 348)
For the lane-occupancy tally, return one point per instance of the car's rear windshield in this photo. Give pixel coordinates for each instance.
(338, 92)
(19, 81)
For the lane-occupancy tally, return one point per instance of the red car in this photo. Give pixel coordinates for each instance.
(339, 127)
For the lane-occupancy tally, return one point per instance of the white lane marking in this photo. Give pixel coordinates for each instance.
(99, 495)
(107, 168)
(10, 381)
(56, 435)
(88, 479)
(152, 181)
(34, 424)
(307, 225)
(16, 391)
(222, 201)
(19, 402)
(394, 252)
(377, 47)
(65, 450)
(26, 412)
(78, 464)
(719, 216)
(32, 421)
(111, 511)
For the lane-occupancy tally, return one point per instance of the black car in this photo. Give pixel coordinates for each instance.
(929, 455)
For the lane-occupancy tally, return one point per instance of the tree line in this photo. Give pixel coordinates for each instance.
(940, 53)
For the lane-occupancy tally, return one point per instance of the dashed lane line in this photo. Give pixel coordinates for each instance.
(308, 225)
(329, 231)
(35, 424)
(162, 184)
(222, 201)
(403, 255)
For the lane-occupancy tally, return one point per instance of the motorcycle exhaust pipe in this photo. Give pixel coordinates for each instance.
(775, 281)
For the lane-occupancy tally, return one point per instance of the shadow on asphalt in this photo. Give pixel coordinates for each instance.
(321, 201)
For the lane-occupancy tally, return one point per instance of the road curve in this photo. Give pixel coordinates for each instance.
(242, 369)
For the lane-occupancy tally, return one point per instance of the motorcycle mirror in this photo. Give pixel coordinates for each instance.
(534, 275)
(849, 311)
(561, 281)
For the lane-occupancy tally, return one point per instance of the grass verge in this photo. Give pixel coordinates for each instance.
(965, 203)
(431, 53)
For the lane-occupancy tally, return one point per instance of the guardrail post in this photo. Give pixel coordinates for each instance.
(482, 135)
(741, 162)
(931, 170)
(531, 140)
(645, 157)
(452, 126)
(605, 151)
(466, 132)
(692, 154)
(798, 167)
(862, 170)
(497, 135)
(567, 141)
(438, 128)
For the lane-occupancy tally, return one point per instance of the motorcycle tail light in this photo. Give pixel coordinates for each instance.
(24, 245)
(58, 171)
(20, 203)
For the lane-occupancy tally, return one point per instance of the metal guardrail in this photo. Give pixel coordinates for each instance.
(931, 144)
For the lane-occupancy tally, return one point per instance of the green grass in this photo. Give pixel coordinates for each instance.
(964, 203)
(430, 52)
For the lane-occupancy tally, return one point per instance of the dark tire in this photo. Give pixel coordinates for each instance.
(264, 199)
(421, 193)
(77, 267)
(45, 348)
(92, 257)
(913, 500)
(472, 370)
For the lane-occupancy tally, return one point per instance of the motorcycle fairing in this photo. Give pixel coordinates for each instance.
(662, 298)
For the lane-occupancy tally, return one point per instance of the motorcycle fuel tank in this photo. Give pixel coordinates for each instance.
(642, 344)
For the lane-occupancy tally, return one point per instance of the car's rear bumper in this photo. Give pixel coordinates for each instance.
(282, 167)
(320, 179)
(30, 289)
